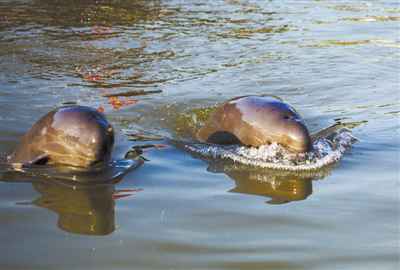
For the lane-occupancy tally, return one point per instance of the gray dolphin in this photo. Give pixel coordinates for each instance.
(254, 121)
(75, 136)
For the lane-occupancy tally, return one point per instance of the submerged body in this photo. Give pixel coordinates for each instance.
(75, 136)
(256, 121)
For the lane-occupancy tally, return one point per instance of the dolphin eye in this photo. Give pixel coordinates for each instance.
(286, 117)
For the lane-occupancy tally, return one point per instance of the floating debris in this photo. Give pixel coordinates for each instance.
(118, 103)
(100, 109)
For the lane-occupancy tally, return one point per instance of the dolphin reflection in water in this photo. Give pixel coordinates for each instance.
(85, 205)
(83, 209)
(280, 186)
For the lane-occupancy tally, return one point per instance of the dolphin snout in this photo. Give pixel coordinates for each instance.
(299, 139)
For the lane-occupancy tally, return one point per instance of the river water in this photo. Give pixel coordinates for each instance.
(332, 60)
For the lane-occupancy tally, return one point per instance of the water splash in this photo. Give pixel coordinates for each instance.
(326, 151)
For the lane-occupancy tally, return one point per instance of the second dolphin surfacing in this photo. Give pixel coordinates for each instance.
(68, 143)
(77, 136)
(255, 121)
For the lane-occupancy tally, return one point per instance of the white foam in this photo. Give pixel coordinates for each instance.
(326, 151)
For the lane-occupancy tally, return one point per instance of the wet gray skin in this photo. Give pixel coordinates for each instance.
(75, 136)
(255, 121)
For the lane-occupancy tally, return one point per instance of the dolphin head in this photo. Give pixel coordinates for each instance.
(75, 136)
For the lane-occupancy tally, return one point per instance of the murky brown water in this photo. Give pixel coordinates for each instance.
(330, 59)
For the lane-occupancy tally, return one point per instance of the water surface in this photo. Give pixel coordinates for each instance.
(332, 60)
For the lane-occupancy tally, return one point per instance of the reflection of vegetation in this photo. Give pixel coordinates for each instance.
(379, 42)
(247, 32)
(373, 19)
(62, 15)
(351, 8)
(254, 60)
(80, 12)
(110, 43)
(189, 122)
(366, 19)
(83, 39)
(343, 42)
